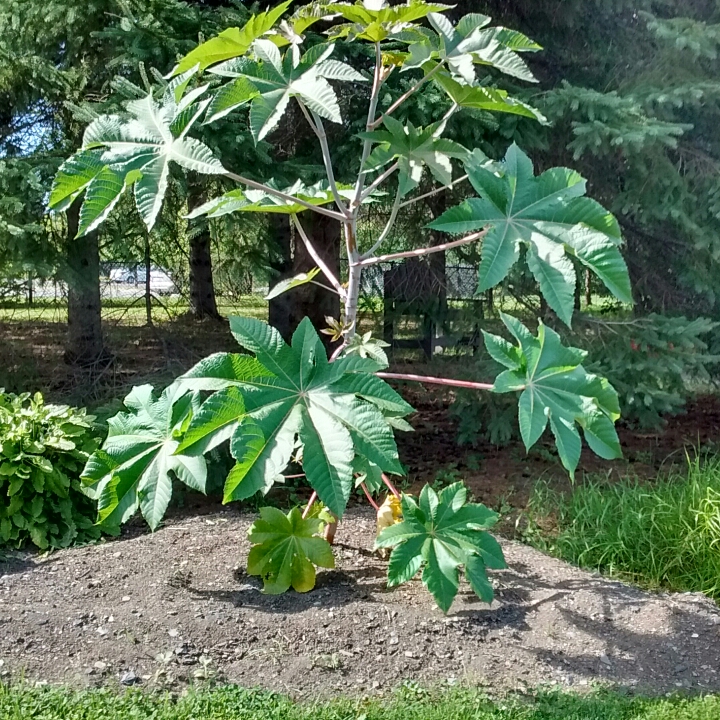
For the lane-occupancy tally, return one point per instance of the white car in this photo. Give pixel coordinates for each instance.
(160, 281)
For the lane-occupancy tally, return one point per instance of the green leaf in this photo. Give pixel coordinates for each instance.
(285, 550)
(332, 410)
(218, 417)
(376, 21)
(233, 42)
(262, 445)
(118, 154)
(440, 574)
(222, 370)
(476, 574)
(555, 387)
(271, 80)
(415, 149)
(490, 99)
(74, 175)
(289, 283)
(231, 97)
(264, 202)
(134, 468)
(470, 43)
(549, 215)
(440, 535)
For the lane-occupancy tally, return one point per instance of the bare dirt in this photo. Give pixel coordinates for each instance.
(175, 607)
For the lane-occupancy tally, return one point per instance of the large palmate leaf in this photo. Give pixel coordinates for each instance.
(270, 80)
(118, 154)
(470, 43)
(260, 201)
(479, 97)
(556, 389)
(376, 20)
(233, 42)
(335, 411)
(286, 549)
(440, 533)
(549, 215)
(414, 148)
(137, 462)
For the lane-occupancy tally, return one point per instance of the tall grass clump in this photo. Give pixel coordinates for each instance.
(661, 534)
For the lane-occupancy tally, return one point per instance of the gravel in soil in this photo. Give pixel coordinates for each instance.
(175, 607)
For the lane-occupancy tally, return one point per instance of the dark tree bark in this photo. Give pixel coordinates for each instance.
(85, 340)
(202, 287)
(437, 261)
(287, 310)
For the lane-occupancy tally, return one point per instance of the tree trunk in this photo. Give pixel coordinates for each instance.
(202, 288)
(85, 341)
(287, 310)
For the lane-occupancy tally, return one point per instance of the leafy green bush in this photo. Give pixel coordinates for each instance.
(655, 363)
(43, 449)
(664, 534)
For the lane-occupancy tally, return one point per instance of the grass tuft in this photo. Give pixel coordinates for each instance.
(664, 534)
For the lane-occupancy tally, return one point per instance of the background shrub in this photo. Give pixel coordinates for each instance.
(43, 449)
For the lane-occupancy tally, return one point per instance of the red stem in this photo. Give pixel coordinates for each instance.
(390, 486)
(436, 381)
(369, 497)
(292, 477)
(311, 502)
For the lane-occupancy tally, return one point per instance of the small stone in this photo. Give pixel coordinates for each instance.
(605, 660)
(680, 669)
(393, 640)
(129, 678)
(126, 598)
(694, 635)
(408, 654)
(100, 665)
(173, 633)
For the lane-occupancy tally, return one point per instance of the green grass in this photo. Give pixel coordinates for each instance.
(664, 534)
(125, 311)
(231, 703)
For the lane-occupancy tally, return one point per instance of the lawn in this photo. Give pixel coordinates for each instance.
(232, 703)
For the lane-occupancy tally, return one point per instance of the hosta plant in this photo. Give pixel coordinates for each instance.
(43, 449)
(291, 404)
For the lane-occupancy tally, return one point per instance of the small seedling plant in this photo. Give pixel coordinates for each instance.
(291, 403)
